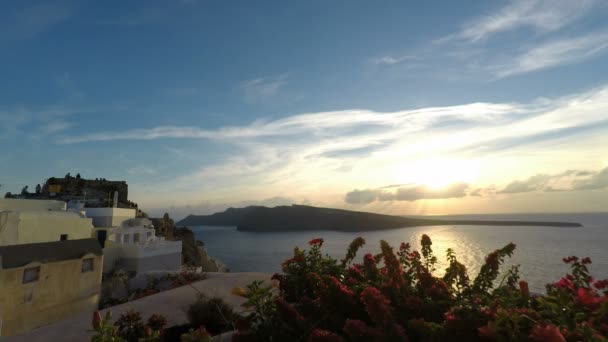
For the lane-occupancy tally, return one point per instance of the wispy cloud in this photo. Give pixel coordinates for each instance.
(390, 60)
(142, 171)
(554, 53)
(353, 129)
(262, 89)
(33, 122)
(540, 15)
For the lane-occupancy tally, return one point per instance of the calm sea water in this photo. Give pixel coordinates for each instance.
(539, 249)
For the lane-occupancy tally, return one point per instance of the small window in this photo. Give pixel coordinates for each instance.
(136, 238)
(31, 274)
(87, 265)
(63, 237)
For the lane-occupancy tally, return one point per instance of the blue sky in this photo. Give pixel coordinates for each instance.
(399, 107)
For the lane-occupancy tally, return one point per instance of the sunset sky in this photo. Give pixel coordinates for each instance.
(432, 107)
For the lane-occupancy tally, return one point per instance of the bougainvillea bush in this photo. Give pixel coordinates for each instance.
(396, 296)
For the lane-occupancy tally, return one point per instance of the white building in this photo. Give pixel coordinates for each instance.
(131, 243)
(134, 246)
(35, 221)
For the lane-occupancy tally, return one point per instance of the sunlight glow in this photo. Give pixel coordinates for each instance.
(437, 173)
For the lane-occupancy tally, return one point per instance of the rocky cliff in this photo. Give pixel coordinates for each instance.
(194, 254)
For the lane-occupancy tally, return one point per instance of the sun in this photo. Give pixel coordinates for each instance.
(438, 173)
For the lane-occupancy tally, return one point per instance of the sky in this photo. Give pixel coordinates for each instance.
(434, 107)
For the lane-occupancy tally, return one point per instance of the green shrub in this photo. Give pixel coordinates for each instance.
(212, 313)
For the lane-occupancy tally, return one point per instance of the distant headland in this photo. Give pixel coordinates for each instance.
(307, 218)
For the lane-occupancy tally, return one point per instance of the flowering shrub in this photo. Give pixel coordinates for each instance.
(396, 296)
(128, 327)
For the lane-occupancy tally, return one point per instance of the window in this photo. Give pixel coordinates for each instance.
(87, 265)
(63, 237)
(136, 238)
(31, 274)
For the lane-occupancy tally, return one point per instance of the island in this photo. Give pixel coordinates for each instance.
(309, 218)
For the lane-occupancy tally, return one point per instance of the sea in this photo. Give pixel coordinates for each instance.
(539, 250)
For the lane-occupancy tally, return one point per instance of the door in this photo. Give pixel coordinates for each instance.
(102, 235)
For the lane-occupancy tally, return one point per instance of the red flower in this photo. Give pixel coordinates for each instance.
(601, 284)
(317, 241)
(547, 333)
(586, 260)
(96, 320)
(319, 335)
(287, 311)
(355, 328)
(588, 297)
(565, 283)
(487, 331)
(355, 271)
(524, 289)
(343, 290)
(376, 304)
(369, 258)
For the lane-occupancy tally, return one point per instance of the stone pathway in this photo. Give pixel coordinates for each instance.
(172, 304)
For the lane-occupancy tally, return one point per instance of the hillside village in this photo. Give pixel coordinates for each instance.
(61, 253)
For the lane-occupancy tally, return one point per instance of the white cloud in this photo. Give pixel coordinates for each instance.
(555, 53)
(327, 154)
(540, 15)
(407, 193)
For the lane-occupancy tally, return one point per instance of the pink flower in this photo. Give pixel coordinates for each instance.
(547, 333)
(586, 260)
(317, 241)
